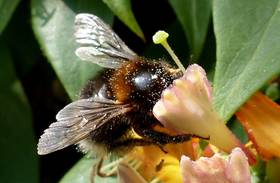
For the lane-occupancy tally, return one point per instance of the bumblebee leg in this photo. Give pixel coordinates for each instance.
(118, 144)
(96, 170)
(160, 138)
(92, 173)
(99, 165)
(131, 142)
(159, 165)
(163, 138)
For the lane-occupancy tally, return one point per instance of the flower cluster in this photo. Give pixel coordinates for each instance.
(186, 108)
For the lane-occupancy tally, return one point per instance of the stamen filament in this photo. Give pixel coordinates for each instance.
(160, 37)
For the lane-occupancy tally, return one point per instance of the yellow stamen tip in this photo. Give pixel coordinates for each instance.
(160, 37)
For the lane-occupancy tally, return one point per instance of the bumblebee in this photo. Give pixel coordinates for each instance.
(117, 103)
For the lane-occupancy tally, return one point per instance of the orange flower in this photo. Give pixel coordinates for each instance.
(261, 118)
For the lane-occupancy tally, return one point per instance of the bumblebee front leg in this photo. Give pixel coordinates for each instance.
(145, 130)
(161, 138)
(130, 142)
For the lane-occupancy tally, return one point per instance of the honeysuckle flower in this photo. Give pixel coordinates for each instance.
(186, 107)
(217, 169)
(261, 118)
(157, 166)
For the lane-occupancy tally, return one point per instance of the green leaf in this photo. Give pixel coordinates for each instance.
(53, 23)
(25, 49)
(7, 9)
(273, 91)
(122, 8)
(19, 162)
(194, 15)
(247, 36)
(82, 172)
(272, 171)
(236, 127)
(258, 171)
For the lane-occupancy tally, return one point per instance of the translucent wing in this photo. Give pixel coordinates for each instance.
(99, 43)
(77, 120)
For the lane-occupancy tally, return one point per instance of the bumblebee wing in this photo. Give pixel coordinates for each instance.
(77, 120)
(99, 43)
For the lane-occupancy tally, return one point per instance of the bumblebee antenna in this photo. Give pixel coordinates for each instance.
(160, 37)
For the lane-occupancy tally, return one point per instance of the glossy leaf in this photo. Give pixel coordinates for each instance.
(25, 49)
(272, 171)
(80, 172)
(19, 162)
(53, 23)
(7, 9)
(194, 16)
(238, 130)
(273, 91)
(247, 36)
(122, 9)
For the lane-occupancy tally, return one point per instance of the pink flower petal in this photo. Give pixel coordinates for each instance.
(237, 169)
(127, 174)
(217, 169)
(197, 75)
